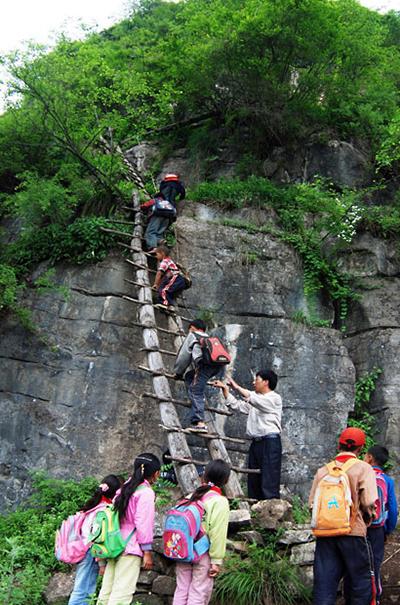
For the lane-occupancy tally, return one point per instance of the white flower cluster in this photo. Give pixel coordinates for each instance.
(350, 219)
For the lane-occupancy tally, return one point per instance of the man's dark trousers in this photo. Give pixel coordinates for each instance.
(376, 537)
(335, 558)
(265, 453)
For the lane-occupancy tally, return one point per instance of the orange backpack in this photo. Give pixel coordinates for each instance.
(332, 505)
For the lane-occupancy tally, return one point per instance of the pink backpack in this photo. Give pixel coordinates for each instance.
(381, 504)
(70, 547)
(69, 544)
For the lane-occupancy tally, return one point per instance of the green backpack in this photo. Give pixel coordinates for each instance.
(105, 535)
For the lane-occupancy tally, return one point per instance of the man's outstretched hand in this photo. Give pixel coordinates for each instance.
(218, 384)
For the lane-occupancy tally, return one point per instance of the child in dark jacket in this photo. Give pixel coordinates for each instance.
(169, 280)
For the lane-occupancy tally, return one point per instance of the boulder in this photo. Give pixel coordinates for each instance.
(147, 577)
(147, 599)
(303, 554)
(251, 537)
(164, 585)
(296, 535)
(239, 518)
(237, 546)
(271, 513)
(59, 588)
(306, 574)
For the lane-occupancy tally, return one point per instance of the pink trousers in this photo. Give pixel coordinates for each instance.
(193, 584)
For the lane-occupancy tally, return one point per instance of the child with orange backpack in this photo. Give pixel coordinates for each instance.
(343, 498)
(195, 574)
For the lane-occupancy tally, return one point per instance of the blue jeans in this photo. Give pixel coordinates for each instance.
(342, 556)
(85, 581)
(196, 381)
(156, 228)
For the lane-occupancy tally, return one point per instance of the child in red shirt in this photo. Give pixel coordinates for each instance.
(169, 280)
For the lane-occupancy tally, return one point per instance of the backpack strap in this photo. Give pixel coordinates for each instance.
(349, 463)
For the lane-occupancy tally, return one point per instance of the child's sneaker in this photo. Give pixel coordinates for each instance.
(171, 309)
(199, 427)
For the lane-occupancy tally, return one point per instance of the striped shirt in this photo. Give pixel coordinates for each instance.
(168, 267)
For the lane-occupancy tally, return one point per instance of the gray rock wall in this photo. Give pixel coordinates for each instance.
(73, 406)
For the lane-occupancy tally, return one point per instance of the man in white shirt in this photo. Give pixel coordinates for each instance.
(264, 409)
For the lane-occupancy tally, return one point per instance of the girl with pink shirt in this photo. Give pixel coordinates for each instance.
(195, 581)
(135, 505)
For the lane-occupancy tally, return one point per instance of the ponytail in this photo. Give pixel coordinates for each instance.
(107, 488)
(216, 474)
(144, 467)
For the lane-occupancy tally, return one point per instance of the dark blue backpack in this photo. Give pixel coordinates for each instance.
(164, 208)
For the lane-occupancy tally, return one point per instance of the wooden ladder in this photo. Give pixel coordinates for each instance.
(180, 453)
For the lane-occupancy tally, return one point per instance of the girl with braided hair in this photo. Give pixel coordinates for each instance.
(135, 505)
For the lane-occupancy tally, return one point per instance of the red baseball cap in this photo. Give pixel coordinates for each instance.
(352, 436)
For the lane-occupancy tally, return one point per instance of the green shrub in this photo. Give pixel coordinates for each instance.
(264, 576)
(300, 511)
(9, 287)
(27, 537)
(361, 417)
(79, 242)
(307, 214)
(37, 199)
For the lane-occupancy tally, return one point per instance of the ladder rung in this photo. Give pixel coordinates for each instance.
(131, 262)
(163, 351)
(237, 469)
(150, 302)
(154, 327)
(205, 435)
(135, 249)
(159, 372)
(187, 404)
(116, 232)
(118, 222)
(136, 283)
(137, 301)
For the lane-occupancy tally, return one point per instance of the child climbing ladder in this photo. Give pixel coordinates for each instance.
(169, 280)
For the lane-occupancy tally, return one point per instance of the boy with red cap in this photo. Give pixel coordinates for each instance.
(347, 554)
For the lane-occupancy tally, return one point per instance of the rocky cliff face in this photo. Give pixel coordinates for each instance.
(73, 406)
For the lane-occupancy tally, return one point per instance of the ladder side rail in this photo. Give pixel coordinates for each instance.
(187, 474)
(216, 447)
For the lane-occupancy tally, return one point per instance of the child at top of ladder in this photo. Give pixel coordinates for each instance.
(169, 280)
(162, 215)
(194, 581)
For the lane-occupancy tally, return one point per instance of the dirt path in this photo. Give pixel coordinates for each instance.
(391, 570)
